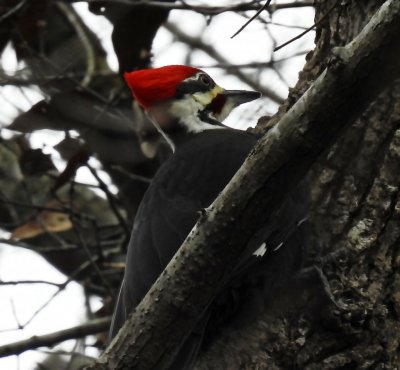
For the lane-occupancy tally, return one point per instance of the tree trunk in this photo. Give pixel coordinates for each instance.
(355, 241)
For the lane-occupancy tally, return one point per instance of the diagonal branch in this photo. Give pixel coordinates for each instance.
(48, 340)
(309, 28)
(354, 76)
(252, 18)
(14, 10)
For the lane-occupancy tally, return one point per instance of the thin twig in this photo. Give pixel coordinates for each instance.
(19, 80)
(213, 53)
(111, 200)
(84, 38)
(256, 65)
(131, 175)
(38, 208)
(49, 63)
(23, 282)
(13, 10)
(92, 259)
(308, 29)
(62, 286)
(252, 18)
(14, 312)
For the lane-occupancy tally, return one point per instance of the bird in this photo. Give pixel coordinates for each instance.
(188, 108)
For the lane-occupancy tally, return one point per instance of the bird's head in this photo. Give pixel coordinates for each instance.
(182, 99)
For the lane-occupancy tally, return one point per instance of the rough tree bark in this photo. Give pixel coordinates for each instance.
(357, 248)
(355, 240)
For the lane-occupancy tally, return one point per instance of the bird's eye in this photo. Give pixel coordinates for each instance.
(205, 80)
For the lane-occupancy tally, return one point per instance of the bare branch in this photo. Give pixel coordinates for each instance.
(61, 287)
(48, 340)
(198, 44)
(256, 65)
(19, 79)
(131, 175)
(205, 10)
(26, 282)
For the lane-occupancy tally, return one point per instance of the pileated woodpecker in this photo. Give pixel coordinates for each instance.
(187, 107)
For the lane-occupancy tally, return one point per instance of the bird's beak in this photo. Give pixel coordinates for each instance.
(237, 97)
(227, 100)
(224, 101)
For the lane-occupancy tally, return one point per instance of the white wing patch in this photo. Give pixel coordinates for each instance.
(260, 250)
(278, 247)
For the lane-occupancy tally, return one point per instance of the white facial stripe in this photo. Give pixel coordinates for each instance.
(187, 110)
(207, 97)
(184, 108)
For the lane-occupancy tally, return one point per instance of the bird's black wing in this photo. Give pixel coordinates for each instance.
(162, 222)
(189, 181)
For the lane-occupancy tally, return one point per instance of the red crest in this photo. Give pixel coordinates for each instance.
(154, 85)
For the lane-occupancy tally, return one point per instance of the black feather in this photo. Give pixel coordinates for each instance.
(186, 183)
